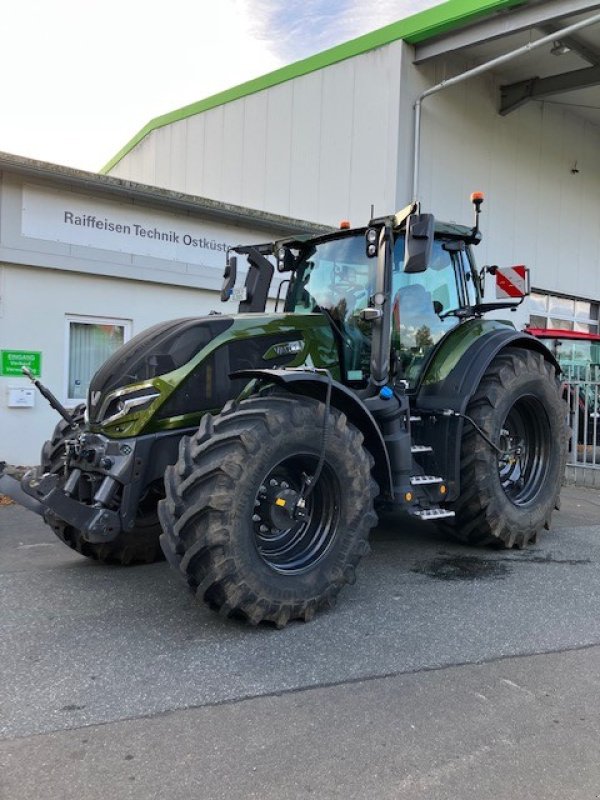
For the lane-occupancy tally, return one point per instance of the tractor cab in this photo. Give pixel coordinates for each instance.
(336, 277)
(390, 291)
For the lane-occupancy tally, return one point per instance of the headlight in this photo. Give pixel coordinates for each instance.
(371, 240)
(116, 407)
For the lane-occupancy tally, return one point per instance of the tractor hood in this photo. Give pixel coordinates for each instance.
(158, 350)
(169, 375)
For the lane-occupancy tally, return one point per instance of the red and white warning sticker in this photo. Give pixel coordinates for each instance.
(511, 281)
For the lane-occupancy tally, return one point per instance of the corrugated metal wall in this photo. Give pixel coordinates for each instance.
(319, 147)
(536, 211)
(327, 145)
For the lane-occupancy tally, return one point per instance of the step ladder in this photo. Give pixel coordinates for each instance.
(425, 480)
(432, 514)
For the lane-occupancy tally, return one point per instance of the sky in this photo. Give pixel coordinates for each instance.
(81, 77)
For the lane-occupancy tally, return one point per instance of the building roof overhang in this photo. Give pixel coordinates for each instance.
(566, 71)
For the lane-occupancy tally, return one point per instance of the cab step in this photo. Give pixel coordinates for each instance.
(421, 448)
(425, 480)
(433, 513)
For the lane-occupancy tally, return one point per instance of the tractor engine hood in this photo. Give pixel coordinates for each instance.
(172, 373)
(156, 351)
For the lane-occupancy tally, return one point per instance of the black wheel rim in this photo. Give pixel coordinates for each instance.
(297, 547)
(525, 436)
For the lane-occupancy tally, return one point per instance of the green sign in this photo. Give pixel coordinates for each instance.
(11, 362)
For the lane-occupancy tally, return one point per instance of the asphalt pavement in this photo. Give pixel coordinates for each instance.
(445, 671)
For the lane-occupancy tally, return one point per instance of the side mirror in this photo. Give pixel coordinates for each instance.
(229, 278)
(419, 242)
(512, 282)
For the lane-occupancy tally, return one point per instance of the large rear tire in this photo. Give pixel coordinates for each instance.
(509, 500)
(139, 545)
(226, 516)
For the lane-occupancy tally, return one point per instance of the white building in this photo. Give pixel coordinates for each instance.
(330, 136)
(86, 262)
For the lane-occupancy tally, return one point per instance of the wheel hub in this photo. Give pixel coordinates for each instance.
(292, 535)
(524, 438)
(283, 510)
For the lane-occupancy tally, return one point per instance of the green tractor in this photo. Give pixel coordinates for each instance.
(258, 447)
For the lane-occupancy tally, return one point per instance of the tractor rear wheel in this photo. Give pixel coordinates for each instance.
(231, 518)
(508, 499)
(139, 545)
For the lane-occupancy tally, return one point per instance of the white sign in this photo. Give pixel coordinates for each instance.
(87, 221)
(19, 397)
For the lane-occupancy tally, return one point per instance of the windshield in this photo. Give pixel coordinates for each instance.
(336, 277)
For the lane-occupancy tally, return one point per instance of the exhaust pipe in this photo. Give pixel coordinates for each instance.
(11, 487)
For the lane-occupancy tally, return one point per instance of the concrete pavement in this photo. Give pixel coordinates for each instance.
(421, 683)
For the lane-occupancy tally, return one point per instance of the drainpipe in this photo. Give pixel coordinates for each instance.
(471, 73)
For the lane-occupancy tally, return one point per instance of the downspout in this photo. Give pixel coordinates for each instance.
(471, 73)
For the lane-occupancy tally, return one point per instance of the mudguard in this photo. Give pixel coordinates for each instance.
(314, 384)
(458, 364)
(451, 379)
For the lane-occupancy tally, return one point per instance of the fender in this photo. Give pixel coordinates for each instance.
(451, 379)
(314, 384)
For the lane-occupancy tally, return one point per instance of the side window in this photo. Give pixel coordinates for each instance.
(89, 342)
(421, 306)
(337, 278)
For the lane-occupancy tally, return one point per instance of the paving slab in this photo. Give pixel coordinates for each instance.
(520, 727)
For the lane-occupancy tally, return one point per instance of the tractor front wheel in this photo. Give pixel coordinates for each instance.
(232, 521)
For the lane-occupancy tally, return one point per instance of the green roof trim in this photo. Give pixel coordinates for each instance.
(415, 29)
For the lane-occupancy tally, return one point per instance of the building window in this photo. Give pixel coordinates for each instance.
(562, 313)
(90, 341)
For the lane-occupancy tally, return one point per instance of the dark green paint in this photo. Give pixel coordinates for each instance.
(455, 345)
(319, 351)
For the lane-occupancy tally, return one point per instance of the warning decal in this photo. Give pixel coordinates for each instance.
(511, 281)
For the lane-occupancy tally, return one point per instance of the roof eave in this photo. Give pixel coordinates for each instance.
(157, 197)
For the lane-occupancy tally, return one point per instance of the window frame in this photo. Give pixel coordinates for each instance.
(572, 320)
(87, 319)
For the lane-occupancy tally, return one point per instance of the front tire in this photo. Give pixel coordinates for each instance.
(509, 500)
(224, 518)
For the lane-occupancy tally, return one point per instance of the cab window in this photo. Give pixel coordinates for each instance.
(422, 305)
(337, 278)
